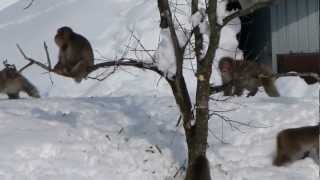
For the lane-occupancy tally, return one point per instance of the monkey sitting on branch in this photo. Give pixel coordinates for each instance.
(239, 75)
(76, 58)
(12, 82)
(297, 143)
(75, 54)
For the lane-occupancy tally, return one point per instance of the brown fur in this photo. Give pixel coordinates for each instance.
(201, 169)
(12, 82)
(75, 54)
(297, 143)
(240, 75)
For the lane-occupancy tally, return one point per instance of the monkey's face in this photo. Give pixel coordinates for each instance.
(225, 67)
(63, 36)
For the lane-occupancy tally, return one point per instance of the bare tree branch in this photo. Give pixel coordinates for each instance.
(247, 11)
(47, 54)
(33, 61)
(119, 62)
(29, 5)
(25, 67)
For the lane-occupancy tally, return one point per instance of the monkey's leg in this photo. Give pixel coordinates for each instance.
(227, 88)
(252, 92)
(13, 95)
(238, 88)
(281, 159)
(59, 69)
(79, 71)
(269, 87)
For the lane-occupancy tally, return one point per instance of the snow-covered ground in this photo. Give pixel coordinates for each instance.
(125, 127)
(135, 137)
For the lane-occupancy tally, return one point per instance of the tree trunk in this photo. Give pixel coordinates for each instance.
(196, 135)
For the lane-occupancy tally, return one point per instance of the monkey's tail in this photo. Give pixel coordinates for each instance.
(269, 87)
(29, 88)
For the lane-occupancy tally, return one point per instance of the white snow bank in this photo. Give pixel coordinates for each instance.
(296, 87)
(247, 152)
(93, 138)
(135, 137)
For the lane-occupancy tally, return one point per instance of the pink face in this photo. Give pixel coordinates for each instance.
(63, 36)
(226, 67)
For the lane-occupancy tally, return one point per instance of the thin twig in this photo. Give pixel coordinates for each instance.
(47, 54)
(29, 5)
(25, 67)
(33, 60)
(244, 12)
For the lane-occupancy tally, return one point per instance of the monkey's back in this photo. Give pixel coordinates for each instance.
(302, 135)
(80, 45)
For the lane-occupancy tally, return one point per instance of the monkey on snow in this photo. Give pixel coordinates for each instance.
(239, 75)
(12, 82)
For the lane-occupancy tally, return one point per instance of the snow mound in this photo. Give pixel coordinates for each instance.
(135, 137)
(296, 87)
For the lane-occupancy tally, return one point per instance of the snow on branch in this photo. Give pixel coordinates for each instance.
(246, 11)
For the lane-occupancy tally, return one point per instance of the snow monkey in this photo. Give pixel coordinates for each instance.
(297, 143)
(12, 82)
(239, 75)
(75, 54)
(201, 169)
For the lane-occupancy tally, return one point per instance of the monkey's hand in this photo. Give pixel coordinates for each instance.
(79, 71)
(59, 69)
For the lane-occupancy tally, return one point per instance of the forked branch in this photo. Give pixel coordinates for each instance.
(33, 61)
(119, 62)
(246, 11)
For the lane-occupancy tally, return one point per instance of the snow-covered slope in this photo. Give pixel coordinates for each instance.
(135, 137)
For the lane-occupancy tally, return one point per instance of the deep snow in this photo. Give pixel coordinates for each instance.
(124, 127)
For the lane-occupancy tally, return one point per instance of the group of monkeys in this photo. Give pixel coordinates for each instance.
(76, 60)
